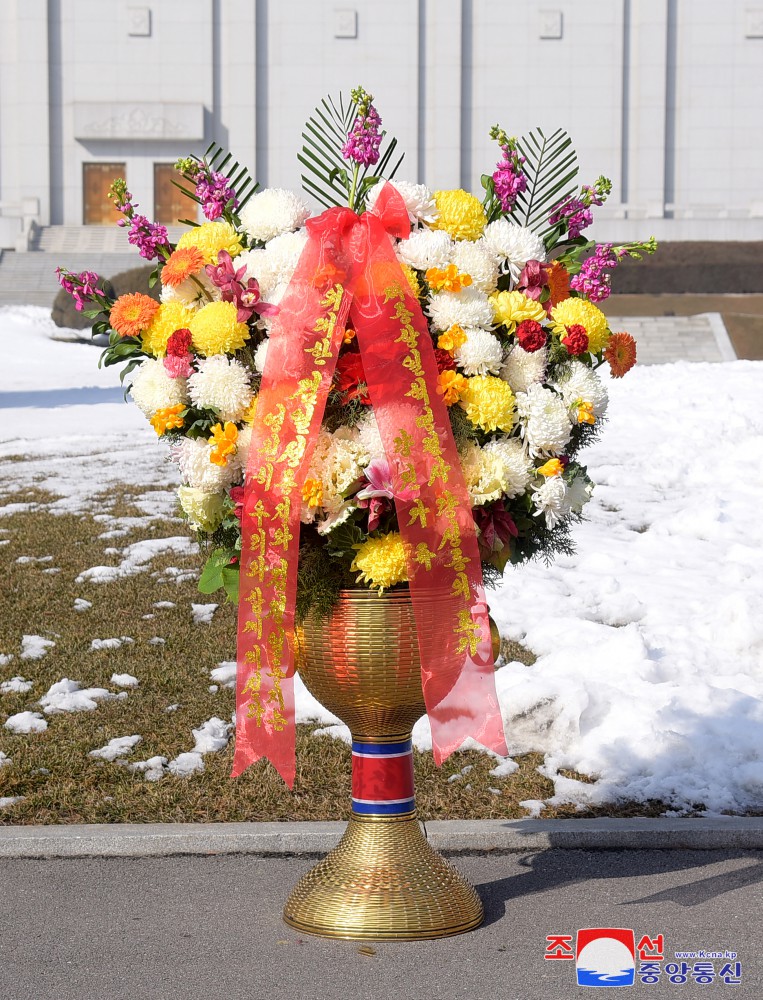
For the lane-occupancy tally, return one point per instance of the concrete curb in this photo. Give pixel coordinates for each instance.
(129, 840)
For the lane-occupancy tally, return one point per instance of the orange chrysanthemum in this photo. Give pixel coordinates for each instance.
(620, 352)
(450, 385)
(181, 264)
(131, 314)
(167, 419)
(558, 282)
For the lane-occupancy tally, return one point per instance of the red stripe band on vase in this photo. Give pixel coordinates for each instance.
(382, 777)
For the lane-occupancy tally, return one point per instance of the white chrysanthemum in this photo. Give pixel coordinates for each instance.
(516, 468)
(271, 212)
(203, 510)
(578, 383)
(189, 293)
(196, 469)
(221, 384)
(419, 200)
(152, 388)
(551, 501)
(243, 443)
(522, 368)
(468, 308)
(478, 261)
(260, 355)
(275, 263)
(544, 422)
(513, 246)
(426, 248)
(338, 461)
(370, 437)
(481, 354)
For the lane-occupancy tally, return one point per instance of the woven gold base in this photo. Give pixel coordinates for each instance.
(383, 881)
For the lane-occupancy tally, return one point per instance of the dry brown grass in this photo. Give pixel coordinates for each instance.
(62, 784)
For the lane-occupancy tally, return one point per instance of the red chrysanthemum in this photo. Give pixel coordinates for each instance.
(620, 352)
(179, 343)
(445, 362)
(531, 335)
(350, 378)
(575, 339)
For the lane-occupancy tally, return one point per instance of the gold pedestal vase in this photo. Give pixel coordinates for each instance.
(383, 880)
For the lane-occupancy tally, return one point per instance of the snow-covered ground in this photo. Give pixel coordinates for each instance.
(649, 640)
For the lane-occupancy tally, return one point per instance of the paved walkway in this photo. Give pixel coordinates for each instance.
(192, 928)
(660, 339)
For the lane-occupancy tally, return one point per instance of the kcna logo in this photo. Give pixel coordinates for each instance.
(605, 956)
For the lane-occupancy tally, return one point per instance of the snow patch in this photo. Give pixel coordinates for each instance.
(124, 681)
(224, 673)
(16, 685)
(111, 643)
(10, 800)
(202, 613)
(25, 723)
(137, 558)
(120, 746)
(5, 760)
(69, 696)
(80, 604)
(34, 647)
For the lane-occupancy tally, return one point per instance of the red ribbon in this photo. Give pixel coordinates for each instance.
(348, 271)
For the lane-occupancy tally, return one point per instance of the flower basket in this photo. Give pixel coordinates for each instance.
(390, 395)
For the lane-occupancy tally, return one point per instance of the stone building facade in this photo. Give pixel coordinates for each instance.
(663, 96)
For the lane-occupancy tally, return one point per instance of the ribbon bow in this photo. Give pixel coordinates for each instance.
(348, 271)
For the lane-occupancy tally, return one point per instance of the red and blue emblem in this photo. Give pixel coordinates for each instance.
(382, 778)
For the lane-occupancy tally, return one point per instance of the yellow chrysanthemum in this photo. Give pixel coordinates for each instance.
(461, 214)
(210, 238)
(224, 440)
(511, 308)
(413, 280)
(167, 419)
(170, 316)
(575, 310)
(381, 561)
(216, 330)
(489, 403)
(250, 413)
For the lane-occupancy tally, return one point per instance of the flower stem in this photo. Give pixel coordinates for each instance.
(354, 184)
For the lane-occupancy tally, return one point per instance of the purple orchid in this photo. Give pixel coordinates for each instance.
(246, 298)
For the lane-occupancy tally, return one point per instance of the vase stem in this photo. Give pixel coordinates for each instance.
(382, 777)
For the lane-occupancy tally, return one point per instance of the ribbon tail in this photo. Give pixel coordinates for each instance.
(304, 345)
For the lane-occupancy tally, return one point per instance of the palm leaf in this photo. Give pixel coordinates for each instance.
(550, 167)
(327, 176)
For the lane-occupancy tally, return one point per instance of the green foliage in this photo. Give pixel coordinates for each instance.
(319, 579)
(330, 179)
(550, 168)
(221, 572)
(341, 542)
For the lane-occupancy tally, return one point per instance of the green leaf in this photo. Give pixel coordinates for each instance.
(230, 578)
(551, 169)
(211, 578)
(342, 540)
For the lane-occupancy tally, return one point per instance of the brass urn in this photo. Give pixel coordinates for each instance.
(383, 880)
